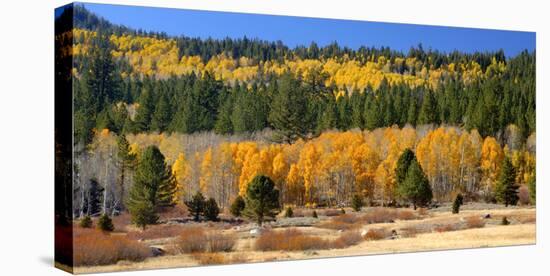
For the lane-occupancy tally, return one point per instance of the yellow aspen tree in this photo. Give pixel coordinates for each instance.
(491, 159)
(364, 162)
(180, 171)
(206, 171)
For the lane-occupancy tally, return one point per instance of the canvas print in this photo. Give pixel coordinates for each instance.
(191, 138)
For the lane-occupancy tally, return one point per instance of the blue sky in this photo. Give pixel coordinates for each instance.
(295, 31)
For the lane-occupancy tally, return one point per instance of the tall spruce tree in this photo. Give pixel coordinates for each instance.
(416, 188)
(262, 199)
(154, 187)
(428, 111)
(403, 164)
(288, 110)
(506, 189)
(163, 114)
(94, 198)
(142, 121)
(126, 162)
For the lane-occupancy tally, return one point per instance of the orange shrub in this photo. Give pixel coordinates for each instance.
(376, 234)
(474, 222)
(93, 247)
(406, 215)
(218, 242)
(197, 240)
(289, 240)
(342, 222)
(347, 239)
(446, 228)
(209, 258)
(192, 240)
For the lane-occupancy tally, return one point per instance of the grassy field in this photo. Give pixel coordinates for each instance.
(376, 231)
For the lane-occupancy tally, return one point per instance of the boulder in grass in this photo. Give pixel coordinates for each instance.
(255, 231)
(487, 216)
(156, 252)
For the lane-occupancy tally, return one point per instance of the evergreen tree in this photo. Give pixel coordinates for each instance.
(373, 117)
(196, 205)
(416, 187)
(94, 198)
(105, 223)
(145, 111)
(357, 202)
(329, 117)
(126, 161)
(162, 116)
(289, 212)
(154, 187)
(211, 210)
(237, 206)
(357, 102)
(412, 112)
(402, 166)
(457, 203)
(262, 199)
(428, 111)
(506, 189)
(344, 113)
(86, 222)
(288, 110)
(223, 122)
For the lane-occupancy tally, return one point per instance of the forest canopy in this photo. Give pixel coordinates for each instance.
(324, 123)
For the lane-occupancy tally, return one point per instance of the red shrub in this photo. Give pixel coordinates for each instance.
(93, 247)
(377, 234)
(347, 239)
(289, 240)
(474, 222)
(197, 240)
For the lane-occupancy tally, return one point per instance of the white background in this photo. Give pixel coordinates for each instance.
(27, 122)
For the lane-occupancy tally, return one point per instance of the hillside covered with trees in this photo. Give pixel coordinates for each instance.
(323, 123)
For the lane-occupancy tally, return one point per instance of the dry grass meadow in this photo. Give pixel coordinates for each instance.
(371, 231)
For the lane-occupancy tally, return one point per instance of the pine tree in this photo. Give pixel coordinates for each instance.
(288, 110)
(142, 121)
(329, 117)
(196, 205)
(506, 189)
(373, 116)
(105, 223)
(457, 203)
(289, 212)
(416, 187)
(237, 206)
(428, 111)
(154, 187)
(162, 117)
(412, 111)
(402, 166)
(211, 210)
(357, 202)
(223, 122)
(86, 222)
(126, 161)
(94, 198)
(262, 199)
